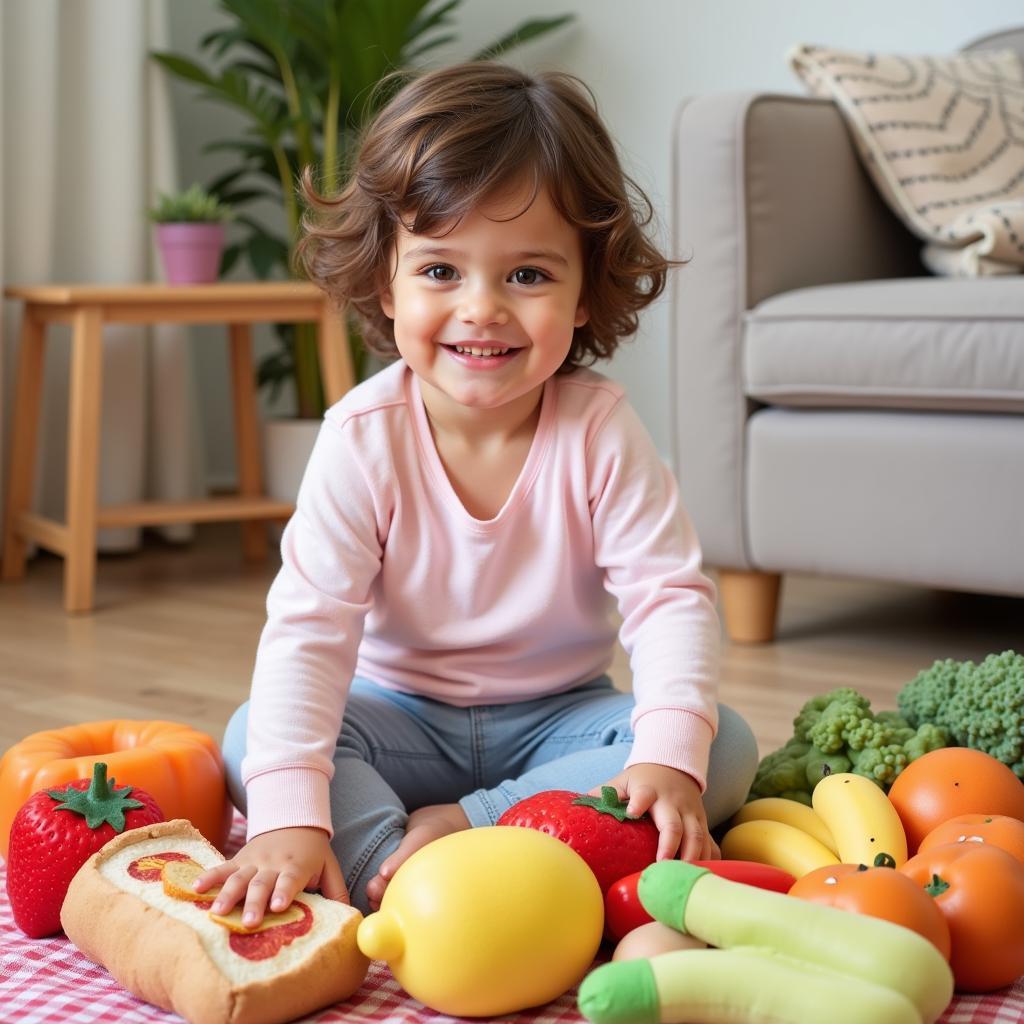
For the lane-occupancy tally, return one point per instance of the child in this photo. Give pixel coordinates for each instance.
(439, 631)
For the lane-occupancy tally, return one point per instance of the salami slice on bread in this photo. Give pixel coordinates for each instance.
(162, 944)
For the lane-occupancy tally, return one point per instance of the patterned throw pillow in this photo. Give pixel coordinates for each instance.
(943, 139)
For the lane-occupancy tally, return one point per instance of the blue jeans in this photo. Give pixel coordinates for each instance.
(398, 752)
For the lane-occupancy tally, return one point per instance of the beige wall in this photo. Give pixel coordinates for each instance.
(639, 57)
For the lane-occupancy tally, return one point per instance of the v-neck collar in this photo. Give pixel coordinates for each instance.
(432, 458)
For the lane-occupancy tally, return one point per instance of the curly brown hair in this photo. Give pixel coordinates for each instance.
(453, 138)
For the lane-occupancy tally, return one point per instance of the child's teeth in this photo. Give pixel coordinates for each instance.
(473, 350)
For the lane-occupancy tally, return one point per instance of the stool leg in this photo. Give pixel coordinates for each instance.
(83, 458)
(247, 437)
(28, 393)
(335, 354)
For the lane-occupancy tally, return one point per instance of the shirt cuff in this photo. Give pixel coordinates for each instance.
(673, 737)
(288, 798)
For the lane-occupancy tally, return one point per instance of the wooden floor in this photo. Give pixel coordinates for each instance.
(175, 630)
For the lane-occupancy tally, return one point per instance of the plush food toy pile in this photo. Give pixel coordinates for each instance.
(777, 960)
(131, 909)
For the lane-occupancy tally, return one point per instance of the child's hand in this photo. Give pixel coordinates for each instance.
(273, 868)
(674, 802)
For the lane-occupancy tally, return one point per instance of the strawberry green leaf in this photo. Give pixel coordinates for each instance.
(101, 802)
(607, 803)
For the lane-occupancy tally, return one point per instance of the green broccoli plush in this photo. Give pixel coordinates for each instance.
(837, 732)
(981, 706)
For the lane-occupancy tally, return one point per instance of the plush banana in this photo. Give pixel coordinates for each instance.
(861, 818)
(778, 844)
(779, 960)
(789, 812)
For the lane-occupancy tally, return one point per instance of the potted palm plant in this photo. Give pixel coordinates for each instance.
(305, 74)
(190, 234)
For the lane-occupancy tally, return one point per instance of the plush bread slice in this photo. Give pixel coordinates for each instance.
(169, 951)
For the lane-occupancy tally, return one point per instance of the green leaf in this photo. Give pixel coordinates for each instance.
(220, 185)
(265, 253)
(532, 29)
(430, 44)
(264, 70)
(184, 68)
(229, 258)
(607, 803)
(431, 19)
(265, 21)
(102, 803)
(246, 195)
(220, 40)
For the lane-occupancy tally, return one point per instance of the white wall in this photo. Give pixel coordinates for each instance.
(639, 57)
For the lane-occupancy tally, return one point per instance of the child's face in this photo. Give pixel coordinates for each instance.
(504, 278)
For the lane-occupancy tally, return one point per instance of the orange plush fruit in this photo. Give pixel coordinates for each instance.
(946, 783)
(995, 829)
(881, 892)
(980, 891)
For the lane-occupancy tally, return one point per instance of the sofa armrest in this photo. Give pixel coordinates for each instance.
(768, 195)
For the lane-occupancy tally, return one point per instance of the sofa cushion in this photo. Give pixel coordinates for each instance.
(915, 497)
(912, 343)
(941, 138)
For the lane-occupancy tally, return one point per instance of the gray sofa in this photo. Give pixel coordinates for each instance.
(837, 411)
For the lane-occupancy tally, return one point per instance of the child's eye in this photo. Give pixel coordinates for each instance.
(440, 272)
(529, 275)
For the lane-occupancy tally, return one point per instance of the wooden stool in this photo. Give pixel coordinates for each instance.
(87, 308)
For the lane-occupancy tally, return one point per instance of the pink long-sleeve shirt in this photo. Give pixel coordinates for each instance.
(386, 575)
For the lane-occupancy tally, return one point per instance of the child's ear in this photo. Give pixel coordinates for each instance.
(387, 302)
(582, 316)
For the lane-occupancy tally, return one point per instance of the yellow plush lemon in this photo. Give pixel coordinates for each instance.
(488, 921)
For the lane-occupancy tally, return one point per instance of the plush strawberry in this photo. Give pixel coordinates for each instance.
(595, 827)
(55, 832)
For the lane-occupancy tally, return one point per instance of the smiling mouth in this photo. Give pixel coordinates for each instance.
(481, 351)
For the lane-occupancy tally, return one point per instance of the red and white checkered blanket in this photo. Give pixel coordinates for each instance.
(47, 981)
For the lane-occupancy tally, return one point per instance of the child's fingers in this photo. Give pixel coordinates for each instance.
(214, 876)
(641, 800)
(620, 790)
(288, 886)
(332, 881)
(233, 889)
(670, 829)
(695, 839)
(257, 896)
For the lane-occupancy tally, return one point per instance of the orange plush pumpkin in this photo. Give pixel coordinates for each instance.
(180, 766)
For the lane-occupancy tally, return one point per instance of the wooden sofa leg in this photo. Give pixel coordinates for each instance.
(750, 602)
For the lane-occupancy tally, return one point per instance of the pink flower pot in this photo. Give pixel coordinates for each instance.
(190, 252)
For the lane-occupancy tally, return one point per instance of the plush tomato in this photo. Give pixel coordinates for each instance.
(877, 892)
(55, 832)
(952, 781)
(595, 827)
(996, 829)
(980, 890)
(623, 910)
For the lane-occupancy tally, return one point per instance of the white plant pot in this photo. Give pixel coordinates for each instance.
(287, 445)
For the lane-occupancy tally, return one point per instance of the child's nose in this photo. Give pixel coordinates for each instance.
(483, 307)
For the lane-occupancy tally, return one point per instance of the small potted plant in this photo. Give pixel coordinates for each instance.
(190, 234)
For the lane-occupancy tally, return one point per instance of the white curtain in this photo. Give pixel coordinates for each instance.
(87, 143)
